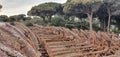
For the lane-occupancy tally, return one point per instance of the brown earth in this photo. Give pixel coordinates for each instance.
(49, 41)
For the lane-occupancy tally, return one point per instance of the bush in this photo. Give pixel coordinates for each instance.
(28, 23)
(117, 31)
(70, 26)
(12, 23)
(34, 21)
(58, 22)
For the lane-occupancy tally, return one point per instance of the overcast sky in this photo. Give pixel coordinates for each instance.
(13, 7)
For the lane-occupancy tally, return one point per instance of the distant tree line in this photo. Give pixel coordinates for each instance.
(20, 17)
(0, 6)
(104, 10)
(107, 12)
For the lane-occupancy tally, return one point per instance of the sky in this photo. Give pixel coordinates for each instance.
(14, 7)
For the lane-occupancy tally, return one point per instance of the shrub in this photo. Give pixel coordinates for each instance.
(58, 22)
(28, 23)
(12, 23)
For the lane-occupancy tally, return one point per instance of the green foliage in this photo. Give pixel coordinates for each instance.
(12, 18)
(70, 26)
(44, 9)
(4, 18)
(12, 23)
(117, 31)
(58, 22)
(35, 20)
(113, 6)
(108, 9)
(81, 6)
(17, 17)
(73, 24)
(97, 28)
(27, 18)
(28, 23)
(65, 14)
(0, 6)
(84, 1)
(47, 6)
(88, 7)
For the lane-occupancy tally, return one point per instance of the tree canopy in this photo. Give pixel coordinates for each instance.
(4, 18)
(86, 14)
(87, 7)
(45, 10)
(17, 17)
(0, 6)
(108, 9)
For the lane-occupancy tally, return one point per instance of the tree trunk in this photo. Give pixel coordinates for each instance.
(109, 19)
(104, 25)
(66, 18)
(90, 21)
(43, 19)
(81, 26)
(118, 23)
(50, 19)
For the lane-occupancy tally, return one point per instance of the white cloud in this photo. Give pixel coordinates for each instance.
(12, 7)
(16, 10)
